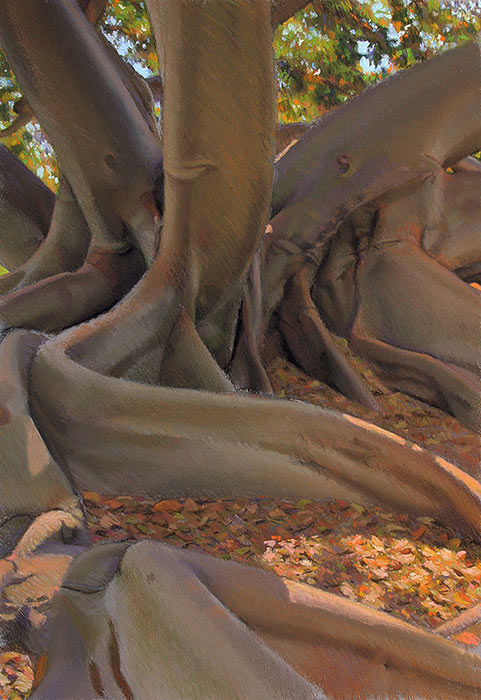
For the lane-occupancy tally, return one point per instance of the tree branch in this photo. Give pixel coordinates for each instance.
(63, 250)
(354, 155)
(93, 10)
(26, 207)
(281, 10)
(107, 167)
(286, 134)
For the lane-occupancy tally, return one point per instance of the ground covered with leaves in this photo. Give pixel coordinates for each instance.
(411, 568)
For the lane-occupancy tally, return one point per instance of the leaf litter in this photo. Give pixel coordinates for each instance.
(411, 568)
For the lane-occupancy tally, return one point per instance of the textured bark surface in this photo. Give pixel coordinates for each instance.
(26, 207)
(267, 637)
(111, 162)
(370, 237)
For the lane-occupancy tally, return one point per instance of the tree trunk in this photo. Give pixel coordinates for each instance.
(84, 410)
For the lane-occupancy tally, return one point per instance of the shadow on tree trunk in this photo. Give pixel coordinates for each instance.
(137, 396)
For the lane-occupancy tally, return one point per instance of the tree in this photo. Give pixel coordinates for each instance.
(167, 268)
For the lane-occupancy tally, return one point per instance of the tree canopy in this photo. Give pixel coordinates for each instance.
(326, 53)
(148, 295)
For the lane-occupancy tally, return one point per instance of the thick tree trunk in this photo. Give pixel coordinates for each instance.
(217, 179)
(87, 427)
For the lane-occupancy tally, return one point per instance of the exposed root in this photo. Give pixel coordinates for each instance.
(30, 481)
(112, 435)
(334, 288)
(63, 250)
(450, 214)
(187, 362)
(61, 525)
(465, 619)
(313, 347)
(146, 317)
(72, 297)
(439, 383)
(415, 318)
(247, 370)
(273, 638)
(204, 445)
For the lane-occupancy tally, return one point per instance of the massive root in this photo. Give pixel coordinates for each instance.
(267, 637)
(413, 228)
(84, 409)
(417, 242)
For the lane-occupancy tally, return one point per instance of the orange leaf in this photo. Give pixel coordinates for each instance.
(40, 669)
(169, 506)
(419, 532)
(113, 503)
(467, 638)
(190, 506)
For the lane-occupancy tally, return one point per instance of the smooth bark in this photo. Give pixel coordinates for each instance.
(314, 348)
(111, 162)
(30, 481)
(438, 324)
(26, 207)
(207, 445)
(218, 178)
(76, 415)
(217, 181)
(63, 250)
(355, 154)
(233, 631)
(69, 298)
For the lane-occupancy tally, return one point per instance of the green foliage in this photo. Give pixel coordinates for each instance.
(333, 49)
(28, 144)
(325, 54)
(126, 25)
